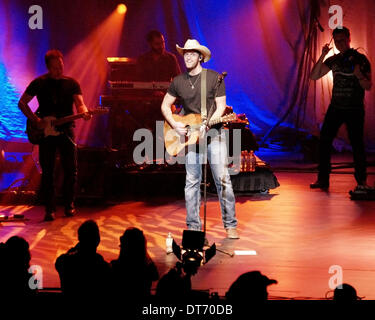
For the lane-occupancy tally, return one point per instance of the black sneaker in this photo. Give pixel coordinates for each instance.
(50, 216)
(319, 185)
(70, 212)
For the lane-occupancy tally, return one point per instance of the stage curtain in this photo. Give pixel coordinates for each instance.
(266, 46)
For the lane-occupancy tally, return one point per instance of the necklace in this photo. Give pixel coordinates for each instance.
(193, 84)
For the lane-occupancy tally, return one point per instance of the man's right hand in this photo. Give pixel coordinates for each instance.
(180, 128)
(320, 69)
(325, 50)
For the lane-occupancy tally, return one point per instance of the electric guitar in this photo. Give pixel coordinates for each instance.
(174, 142)
(36, 135)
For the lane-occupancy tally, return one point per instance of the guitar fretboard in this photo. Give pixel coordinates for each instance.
(61, 121)
(219, 120)
(216, 121)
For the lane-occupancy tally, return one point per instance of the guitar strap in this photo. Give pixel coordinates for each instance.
(204, 95)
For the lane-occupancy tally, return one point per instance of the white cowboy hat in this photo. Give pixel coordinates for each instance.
(192, 44)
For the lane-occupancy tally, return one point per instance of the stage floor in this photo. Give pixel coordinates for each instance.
(297, 233)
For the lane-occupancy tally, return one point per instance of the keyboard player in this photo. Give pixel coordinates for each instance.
(157, 64)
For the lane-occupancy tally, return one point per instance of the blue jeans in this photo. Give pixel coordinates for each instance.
(217, 157)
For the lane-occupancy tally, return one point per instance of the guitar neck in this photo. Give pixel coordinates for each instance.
(73, 117)
(215, 121)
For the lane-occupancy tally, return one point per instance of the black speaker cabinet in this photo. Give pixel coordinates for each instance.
(94, 172)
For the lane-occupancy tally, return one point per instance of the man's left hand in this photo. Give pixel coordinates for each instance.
(87, 116)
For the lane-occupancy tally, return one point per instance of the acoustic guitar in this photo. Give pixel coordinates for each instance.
(174, 142)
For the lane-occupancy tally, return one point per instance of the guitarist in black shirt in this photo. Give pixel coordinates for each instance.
(56, 95)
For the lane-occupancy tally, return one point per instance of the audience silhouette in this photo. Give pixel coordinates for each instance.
(345, 293)
(83, 271)
(15, 262)
(249, 288)
(134, 271)
(174, 286)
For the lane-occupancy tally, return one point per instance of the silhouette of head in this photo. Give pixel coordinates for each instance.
(54, 62)
(341, 37)
(17, 251)
(133, 243)
(156, 41)
(88, 235)
(250, 287)
(14, 265)
(343, 30)
(173, 286)
(345, 293)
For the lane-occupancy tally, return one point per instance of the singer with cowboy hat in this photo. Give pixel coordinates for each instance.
(186, 87)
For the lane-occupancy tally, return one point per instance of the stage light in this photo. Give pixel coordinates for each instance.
(192, 254)
(87, 63)
(118, 59)
(121, 8)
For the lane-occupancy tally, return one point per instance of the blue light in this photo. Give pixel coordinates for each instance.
(12, 121)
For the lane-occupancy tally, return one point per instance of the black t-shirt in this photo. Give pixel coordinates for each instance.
(347, 92)
(55, 96)
(190, 98)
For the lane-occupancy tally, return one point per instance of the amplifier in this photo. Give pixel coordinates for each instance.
(122, 69)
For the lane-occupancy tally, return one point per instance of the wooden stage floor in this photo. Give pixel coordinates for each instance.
(297, 233)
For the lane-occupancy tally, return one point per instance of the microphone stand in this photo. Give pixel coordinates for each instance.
(205, 146)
